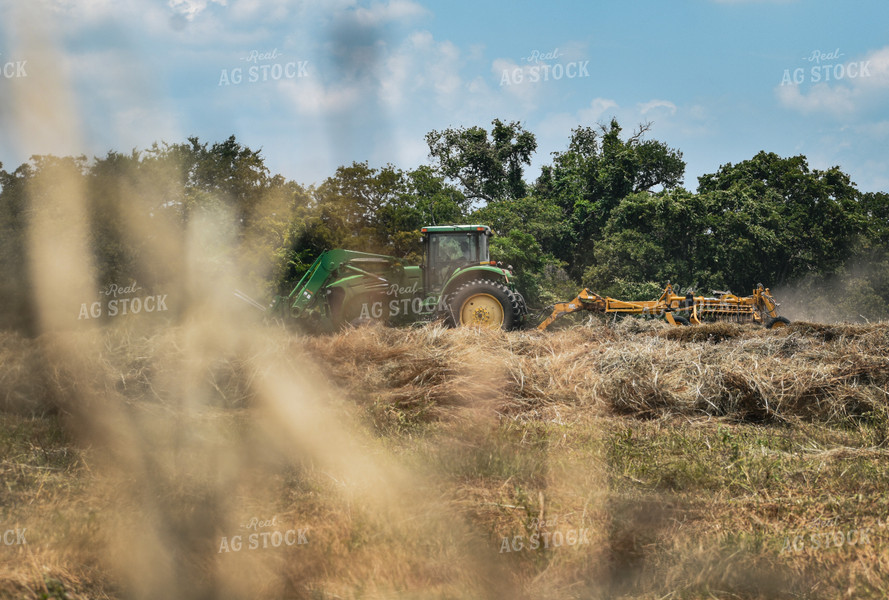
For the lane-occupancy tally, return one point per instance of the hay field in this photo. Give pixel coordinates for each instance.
(602, 460)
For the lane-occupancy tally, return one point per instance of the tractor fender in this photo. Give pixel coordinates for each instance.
(475, 272)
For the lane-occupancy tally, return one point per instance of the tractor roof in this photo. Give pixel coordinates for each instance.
(456, 229)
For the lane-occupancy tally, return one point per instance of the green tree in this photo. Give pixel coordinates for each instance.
(810, 221)
(16, 308)
(487, 169)
(359, 192)
(869, 264)
(594, 174)
(746, 239)
(266, 249)
(426, 200)
(656, 238)
(225, 174)
(527, 228)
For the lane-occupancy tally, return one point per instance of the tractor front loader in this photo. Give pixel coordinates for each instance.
(457, 283)
(759, 307)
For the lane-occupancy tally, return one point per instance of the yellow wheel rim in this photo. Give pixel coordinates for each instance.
(778, 324)
(481, 310)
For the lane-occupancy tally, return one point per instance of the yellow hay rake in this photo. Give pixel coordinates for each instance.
(676, 309)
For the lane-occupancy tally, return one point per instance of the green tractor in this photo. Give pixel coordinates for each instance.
(457, 283)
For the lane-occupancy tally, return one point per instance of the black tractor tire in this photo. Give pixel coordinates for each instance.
(680, 320)
(520, 310)
(484, 303)
(777, 323)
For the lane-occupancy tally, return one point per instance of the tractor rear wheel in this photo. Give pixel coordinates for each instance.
(777, 323)
(484, 303)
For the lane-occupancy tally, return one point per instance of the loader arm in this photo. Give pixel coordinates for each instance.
(764, 301)
(585, 300)
(303, 295)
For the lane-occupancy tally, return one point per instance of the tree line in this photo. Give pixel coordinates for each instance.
(609, 212)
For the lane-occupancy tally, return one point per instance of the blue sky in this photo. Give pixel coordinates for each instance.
(344, 80)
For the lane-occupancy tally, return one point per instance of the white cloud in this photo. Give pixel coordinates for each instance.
(76, 14)
(599, 109)
(121, 107)
(396, 10)
(820, 98)
(407, 149)
(269, 10)
(878, 69)
(476, 51)
(671, 122)
(874, 175)
(191, 8)
(350, 13)
(554, 131)
(653, 105)
(311, 97)
(518, 81)
(421, 69)
(694, 121)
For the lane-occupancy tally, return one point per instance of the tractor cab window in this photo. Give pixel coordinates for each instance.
(450, 251)
(452, 248)
(459, 248)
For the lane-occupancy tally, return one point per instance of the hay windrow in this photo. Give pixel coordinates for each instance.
(828, 374)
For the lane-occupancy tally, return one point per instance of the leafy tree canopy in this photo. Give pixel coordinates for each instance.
(487, 168)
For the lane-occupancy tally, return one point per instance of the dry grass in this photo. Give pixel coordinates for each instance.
(687, 455)
(832, 374)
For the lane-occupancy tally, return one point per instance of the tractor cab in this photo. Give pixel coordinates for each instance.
(447, 248)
